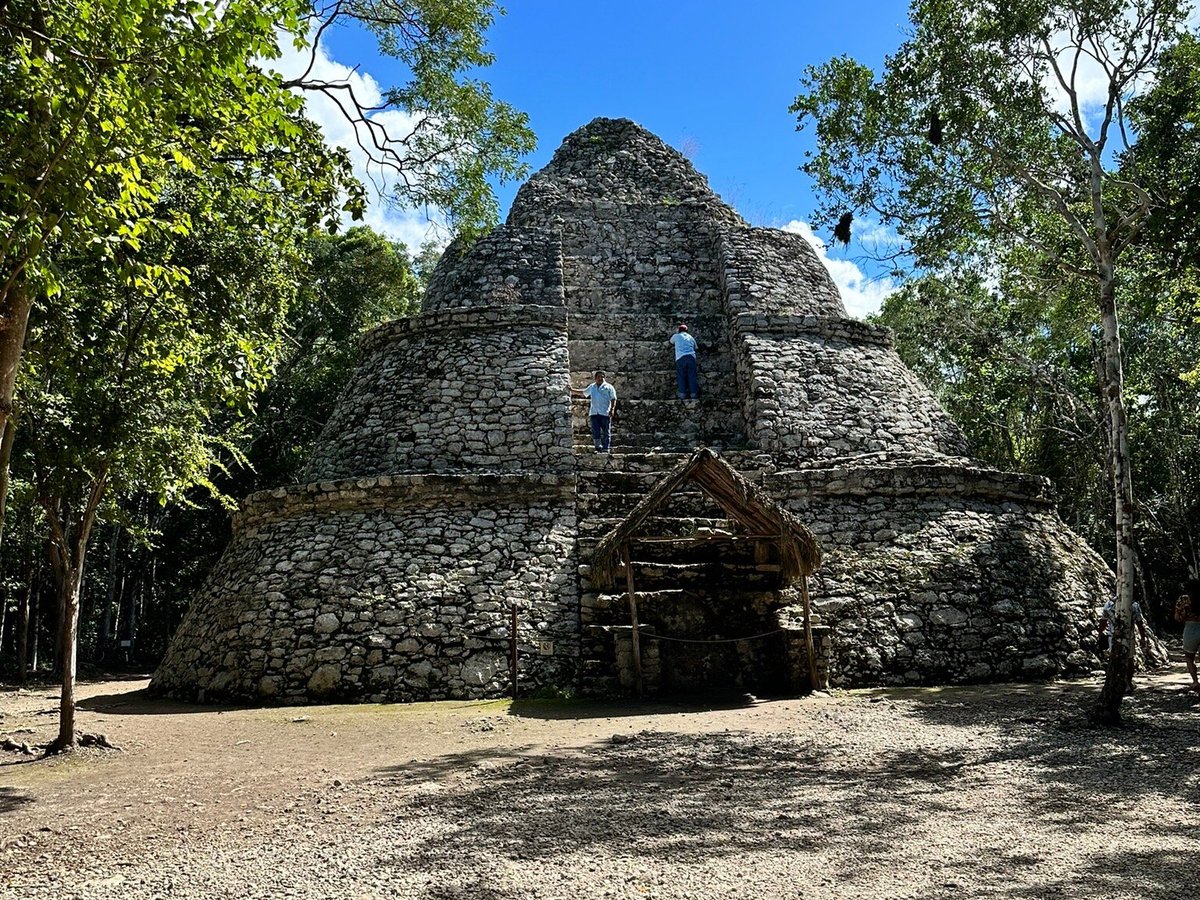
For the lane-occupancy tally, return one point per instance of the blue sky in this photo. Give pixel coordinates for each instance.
(714, 79)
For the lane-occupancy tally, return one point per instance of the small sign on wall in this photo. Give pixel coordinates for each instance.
(545, 648)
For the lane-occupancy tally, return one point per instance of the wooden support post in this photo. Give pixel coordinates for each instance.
(633, 620)
(513, 662)
(808, 637)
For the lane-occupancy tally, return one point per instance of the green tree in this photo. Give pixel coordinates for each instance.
(137, 375)
(455, 134)
(352, 282)
(1012, 362)
(100, 100)
(1166, 280)
(984, 134)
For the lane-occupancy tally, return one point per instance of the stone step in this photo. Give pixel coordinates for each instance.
(716, 574)
(709, 329)
(658, 463)
(624, 459)
(662, 443)
(670, 417)
(636, 356)
(684, 504)
(599, 481)
(611, 606)
(587, 297)
(659, 384)
(595, 528)
(611, 598)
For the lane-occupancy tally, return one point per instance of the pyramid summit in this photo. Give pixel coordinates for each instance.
(457, 482)
(617, 161)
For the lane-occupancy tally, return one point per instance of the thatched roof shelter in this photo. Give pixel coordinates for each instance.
(744, 503)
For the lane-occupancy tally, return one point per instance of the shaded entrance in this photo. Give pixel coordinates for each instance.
(710, 571)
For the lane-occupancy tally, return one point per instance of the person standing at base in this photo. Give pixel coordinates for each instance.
(1139, 621)
(686, 371)
(604, 403)
(1187, 611)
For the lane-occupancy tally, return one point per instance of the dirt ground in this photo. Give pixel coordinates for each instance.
(996, 791)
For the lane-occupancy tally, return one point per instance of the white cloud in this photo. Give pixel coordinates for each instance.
(861, 294)
(411, 227)
(1085, 71)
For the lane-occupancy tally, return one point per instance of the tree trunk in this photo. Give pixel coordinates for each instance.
(35, 613)
(68, 553)
(69, 581)
(26, 603)
(1120, 660)
(26, 606)
(14, 319)
(23, 639)
(107, 629)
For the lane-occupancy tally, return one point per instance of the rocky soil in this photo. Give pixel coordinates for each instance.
(996, 791)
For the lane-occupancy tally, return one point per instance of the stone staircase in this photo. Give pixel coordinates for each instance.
(609, 486)
(649, 415)
(619, 325)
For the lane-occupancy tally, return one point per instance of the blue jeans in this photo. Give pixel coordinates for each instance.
(601, 431)
(687, 377)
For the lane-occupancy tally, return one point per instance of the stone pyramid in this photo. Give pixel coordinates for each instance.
(457, 479)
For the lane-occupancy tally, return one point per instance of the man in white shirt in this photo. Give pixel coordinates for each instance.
(1139, 620)
(686, 372)
(604, 402)
(1106, 620)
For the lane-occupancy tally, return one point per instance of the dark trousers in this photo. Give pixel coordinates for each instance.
(687, 377)
(601, 431)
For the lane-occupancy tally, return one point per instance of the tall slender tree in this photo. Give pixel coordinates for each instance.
(1032, 101)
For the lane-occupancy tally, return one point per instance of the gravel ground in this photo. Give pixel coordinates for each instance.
(996, 791)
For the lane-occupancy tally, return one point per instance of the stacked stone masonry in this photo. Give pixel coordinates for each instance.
(457, 479)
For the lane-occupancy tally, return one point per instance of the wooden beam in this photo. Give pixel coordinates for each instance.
(810, 649)
(512, 663)
(633, 620)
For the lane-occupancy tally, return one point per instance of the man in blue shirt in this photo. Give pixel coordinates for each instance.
(686, 373)
(604, 402)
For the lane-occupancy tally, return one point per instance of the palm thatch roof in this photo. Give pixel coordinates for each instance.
(745, 504)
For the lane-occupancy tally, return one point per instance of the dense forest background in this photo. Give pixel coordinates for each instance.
(148, 557)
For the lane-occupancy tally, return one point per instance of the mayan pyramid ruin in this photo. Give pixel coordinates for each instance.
(456, 489)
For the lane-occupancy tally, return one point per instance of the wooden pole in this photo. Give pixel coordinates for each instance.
(633, 620)
(808, 637)
(512, 668)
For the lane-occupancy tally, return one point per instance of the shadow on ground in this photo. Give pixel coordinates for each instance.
(144, 703)
(11, 800)
(533, 708)
(1081, 766)
(674, 799)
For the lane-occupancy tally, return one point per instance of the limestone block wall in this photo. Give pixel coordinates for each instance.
(509, 266)
(455, 391)
(655, 256)
(771, 272)
(935, 574)
(821, 388)
(393, 588)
